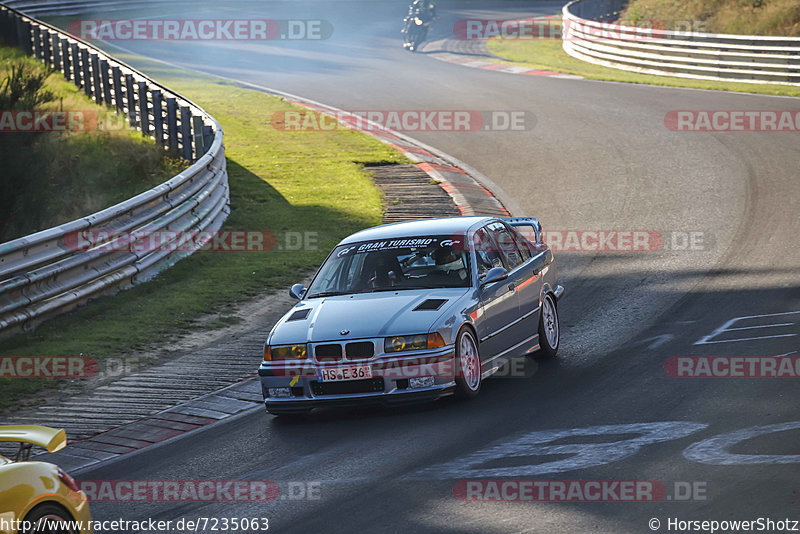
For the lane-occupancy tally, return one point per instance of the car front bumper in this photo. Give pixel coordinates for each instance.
(391, 382)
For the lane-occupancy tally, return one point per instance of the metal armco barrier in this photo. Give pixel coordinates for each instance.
(42, 8)
(44, 274)
(740, 58)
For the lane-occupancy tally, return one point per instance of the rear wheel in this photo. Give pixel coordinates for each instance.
(468, 362)
(549, 330)
(49, 518)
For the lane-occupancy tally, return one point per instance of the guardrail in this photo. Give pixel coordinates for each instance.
(40, 8)
(43, 274)
(741, 58)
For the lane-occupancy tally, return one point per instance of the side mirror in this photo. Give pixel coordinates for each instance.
(495, 274)
(297, 291)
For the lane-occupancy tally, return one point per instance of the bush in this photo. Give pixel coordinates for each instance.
(23, 88)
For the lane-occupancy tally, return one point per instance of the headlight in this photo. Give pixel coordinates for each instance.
(418, 21)
(415, 342)
(286, 352)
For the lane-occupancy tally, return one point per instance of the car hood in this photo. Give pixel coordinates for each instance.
(365, 315)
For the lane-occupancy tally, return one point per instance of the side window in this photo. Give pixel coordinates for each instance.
(486, 252)
(522, 245)
(506, 243)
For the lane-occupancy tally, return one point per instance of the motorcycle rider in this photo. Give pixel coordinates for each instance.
(427, 9)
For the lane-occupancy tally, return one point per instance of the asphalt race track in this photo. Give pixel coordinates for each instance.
(598, 157)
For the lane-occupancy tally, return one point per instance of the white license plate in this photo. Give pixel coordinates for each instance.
(335, 374)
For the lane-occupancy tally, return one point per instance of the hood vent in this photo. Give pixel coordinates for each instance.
(299, 314)
(430, 304)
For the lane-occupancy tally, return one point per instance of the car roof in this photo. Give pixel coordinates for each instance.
(419, 227)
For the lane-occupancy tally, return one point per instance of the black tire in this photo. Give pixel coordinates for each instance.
(468, 381)
(289, 415)
(45, 518)
(549, 328)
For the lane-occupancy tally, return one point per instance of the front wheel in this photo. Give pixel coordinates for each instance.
(468, 363)
(549, 331)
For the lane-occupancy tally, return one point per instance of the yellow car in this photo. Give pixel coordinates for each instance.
(38, 496)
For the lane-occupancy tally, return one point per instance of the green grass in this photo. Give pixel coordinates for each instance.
(547, 54)
(742, 17)
(283, 182)
(55, 177)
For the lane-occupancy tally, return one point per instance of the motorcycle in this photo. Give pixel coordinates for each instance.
(415, 29)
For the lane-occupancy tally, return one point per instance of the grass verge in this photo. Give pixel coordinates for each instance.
(290, 183)
(547, 54)
(742, 17)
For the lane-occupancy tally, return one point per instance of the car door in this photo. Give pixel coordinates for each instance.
(498, 300)
(529, 288)
(526, 284)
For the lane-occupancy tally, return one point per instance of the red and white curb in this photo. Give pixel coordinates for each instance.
(498, 66)
(171, 423)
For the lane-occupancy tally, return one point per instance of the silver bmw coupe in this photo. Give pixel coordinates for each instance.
(412, 312)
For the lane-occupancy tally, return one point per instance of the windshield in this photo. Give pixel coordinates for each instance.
(424, 262)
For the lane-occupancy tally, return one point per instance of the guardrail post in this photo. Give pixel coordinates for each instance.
(45, 33)
(66, 64)
(24, 34)
(12, 23)
(104, 74)
(144, 112)
(197, 135)
(5, 33)
(13, 28)
(158, 117)
(97, 89)
(56, 50)
(186, 132)
(131, 94)
(17, 22)
(86, 72)
(75, 59)
(172, 124)
(116, 74)
(37, 42)
(208, 137)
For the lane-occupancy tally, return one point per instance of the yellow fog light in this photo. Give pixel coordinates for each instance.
(286, 352)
